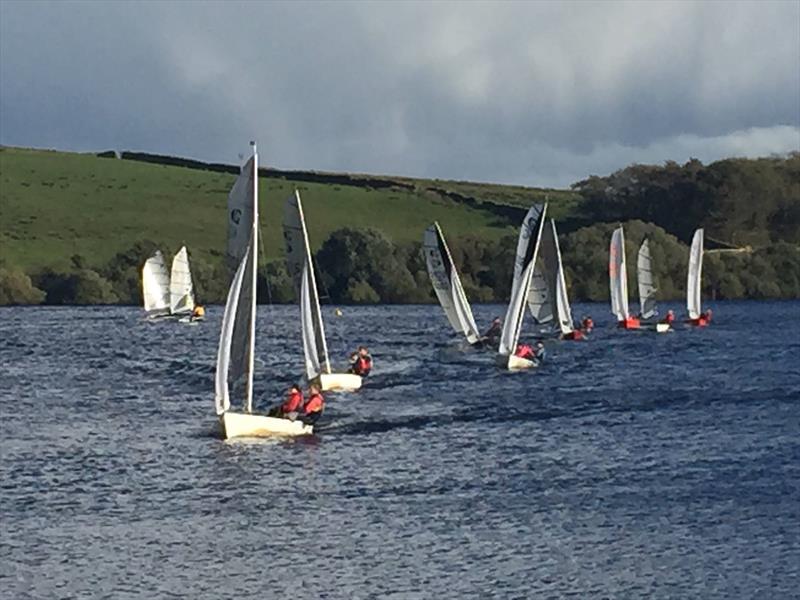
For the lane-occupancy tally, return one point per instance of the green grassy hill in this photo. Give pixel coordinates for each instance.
(54, 205)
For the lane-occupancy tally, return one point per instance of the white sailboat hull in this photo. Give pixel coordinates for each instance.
(515, 363)
(347, 382)
(235, 425)
(657, 327)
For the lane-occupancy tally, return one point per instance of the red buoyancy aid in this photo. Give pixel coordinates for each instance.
(293, 403)
(363, 365)
(669, 318)
(575, 334)
(314, 404)
(524, 351)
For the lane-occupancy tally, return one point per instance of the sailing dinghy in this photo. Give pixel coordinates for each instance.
(530, 236)
(693, 300)
(181, 288)
(155, 286)
(447, 284)
(647, 289)
(556, 284)
(618, 282)
(237, 340)
(301, 269)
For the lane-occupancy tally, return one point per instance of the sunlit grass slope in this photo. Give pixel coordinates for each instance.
(57, 204)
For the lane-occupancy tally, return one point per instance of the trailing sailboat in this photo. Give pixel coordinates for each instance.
(647, 289)
(618, 282)
(236, 352)
(181, 288)
(447, 284)
(693, 283)
(556, 283)
(301, 268)
(530, 236)
(155, 286)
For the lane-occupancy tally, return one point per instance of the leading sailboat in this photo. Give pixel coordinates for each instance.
(694, 302)
(237, 340)
(618, 281)
(530, 236)
(447, 284)
(301, 268)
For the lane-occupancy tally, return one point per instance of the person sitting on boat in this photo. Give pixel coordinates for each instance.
(525, 351)
(575, 334)
(312, 409)
(361, 362)
(539, 352)
(492, 335)
(198, 314)
(586, 324)
(291, 406)
(669, 317)
(707, 316)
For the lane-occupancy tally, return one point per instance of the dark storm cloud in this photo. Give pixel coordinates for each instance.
(532, 93)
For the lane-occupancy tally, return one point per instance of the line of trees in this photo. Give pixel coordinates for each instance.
(363, 266)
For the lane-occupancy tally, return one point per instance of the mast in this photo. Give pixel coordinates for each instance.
(253, 283)
(313, 280)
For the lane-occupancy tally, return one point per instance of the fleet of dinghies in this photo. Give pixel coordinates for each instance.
(538, 284)
(168, 294)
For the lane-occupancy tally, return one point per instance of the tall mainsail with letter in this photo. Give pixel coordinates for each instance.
(447, 284)
(527, 250)
(558, 300)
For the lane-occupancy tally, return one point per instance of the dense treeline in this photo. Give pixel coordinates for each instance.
(740, 202)
(363, 266)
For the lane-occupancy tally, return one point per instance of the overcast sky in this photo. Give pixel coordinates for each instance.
(534, 93)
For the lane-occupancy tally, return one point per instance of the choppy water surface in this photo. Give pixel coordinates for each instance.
(633, 465)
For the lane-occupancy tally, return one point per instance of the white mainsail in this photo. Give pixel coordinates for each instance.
(527, 250)
(301, 269)
(155, 284)
(447, 284)
(540, 297)
(551, 256)
(240, 213)
(644, 275)
(181, 290)
(693, 301)
(236, 352)
(618, 276)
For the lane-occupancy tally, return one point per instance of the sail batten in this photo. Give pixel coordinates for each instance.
(447, 284)
(646, 281)
(301, 269)
(618, 276)
(156, 285)
(527, 249)
(694, 276)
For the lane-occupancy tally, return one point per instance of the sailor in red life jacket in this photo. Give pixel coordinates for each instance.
(291, 406)
(525, 351)
(668, 318)
(703, 320)
(361, 362)
(312, 410)
(575, 334)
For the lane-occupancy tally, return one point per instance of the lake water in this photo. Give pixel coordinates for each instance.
(633, 465)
